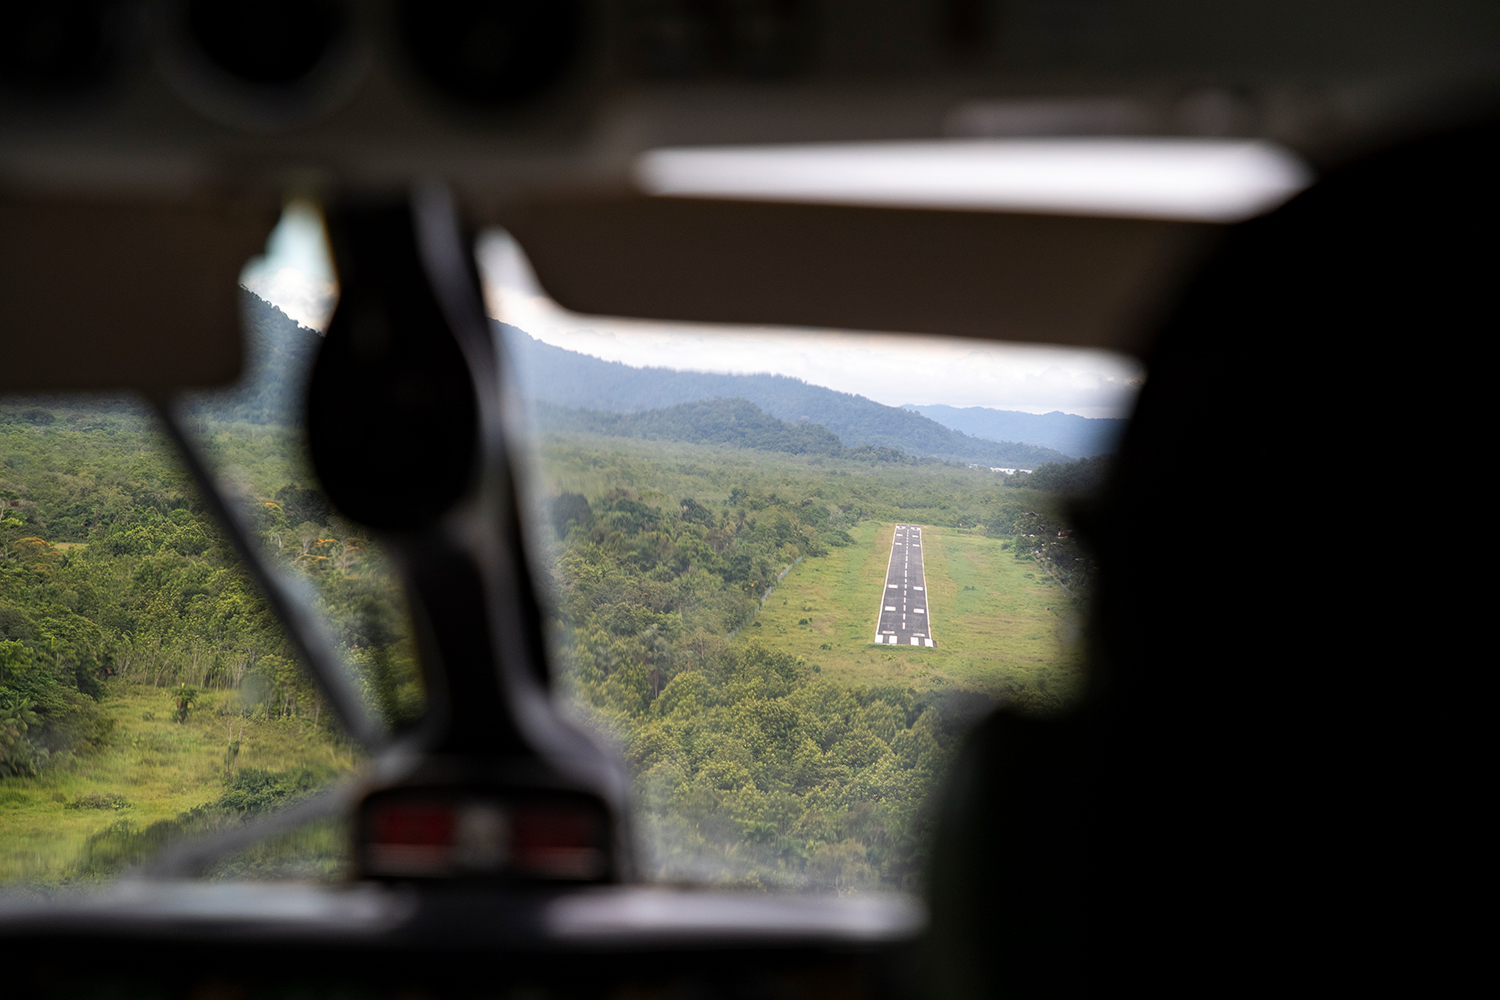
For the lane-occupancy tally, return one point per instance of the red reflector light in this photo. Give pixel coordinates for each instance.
(415, 823)
(411, 838)
(428, 837)
(558, 841)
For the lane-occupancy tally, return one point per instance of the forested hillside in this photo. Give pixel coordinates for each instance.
(553, 375)
(110, 568)
(115, 583)
(1064, 432)
(738, 423)
(279, 353)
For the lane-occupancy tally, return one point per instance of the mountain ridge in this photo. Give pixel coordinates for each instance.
(736, 422)
(1066, 432)
(280, 351)
(557, 376)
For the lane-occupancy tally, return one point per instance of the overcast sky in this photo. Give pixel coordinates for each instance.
(296, 274)
(296, 271)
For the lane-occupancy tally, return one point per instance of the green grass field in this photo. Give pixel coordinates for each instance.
(159, 767)
(999, 627)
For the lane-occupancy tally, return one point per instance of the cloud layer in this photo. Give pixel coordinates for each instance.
(887, 368)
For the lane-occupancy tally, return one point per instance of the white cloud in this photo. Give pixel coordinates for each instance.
(305, 299)
(296, 271)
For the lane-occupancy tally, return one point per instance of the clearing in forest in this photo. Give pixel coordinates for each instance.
(1003, 629)
(150, 768)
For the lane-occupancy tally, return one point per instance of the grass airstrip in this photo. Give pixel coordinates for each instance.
(1000, 625)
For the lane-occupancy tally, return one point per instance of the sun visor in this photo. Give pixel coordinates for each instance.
(122, 295)
(1066, 279)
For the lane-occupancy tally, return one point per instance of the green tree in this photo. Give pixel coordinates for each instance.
(17, 754)
(184, 700)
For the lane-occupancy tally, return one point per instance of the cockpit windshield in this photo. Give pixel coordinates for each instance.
(784, 570)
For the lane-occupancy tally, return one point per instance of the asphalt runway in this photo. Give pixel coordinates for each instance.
(903, 607)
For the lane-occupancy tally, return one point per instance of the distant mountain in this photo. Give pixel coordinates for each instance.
(1067, 432)
(735, 422)
(549, 374)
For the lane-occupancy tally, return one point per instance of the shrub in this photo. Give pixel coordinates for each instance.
(253, 790)
(93, 800)
(184, 700)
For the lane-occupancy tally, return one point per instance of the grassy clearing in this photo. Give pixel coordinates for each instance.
(1000, 628)
(159, 768)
